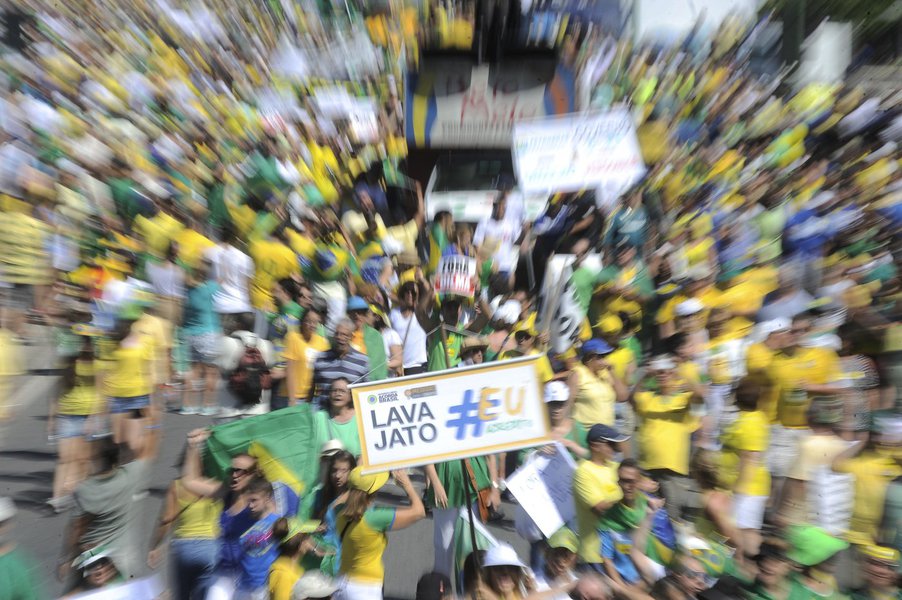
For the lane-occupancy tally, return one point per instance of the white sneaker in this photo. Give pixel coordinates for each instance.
(209, 411)
(257, 409)
(189, 410)
(229, 413)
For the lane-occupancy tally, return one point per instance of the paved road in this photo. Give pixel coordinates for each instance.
(26, 474)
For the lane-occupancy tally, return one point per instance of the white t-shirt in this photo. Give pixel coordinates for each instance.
(415, 344)
(390, 338)
(504, 233)
(167, 280)
(233, 269)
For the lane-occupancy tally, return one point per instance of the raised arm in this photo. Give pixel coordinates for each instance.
(405, 517)
(192, 470)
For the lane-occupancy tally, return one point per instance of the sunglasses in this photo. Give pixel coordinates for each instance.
(694, 574)
(237, 472)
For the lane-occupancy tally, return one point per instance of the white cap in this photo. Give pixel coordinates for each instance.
(391, 246)
(556, 391)
(508, 313)
(689, 307)
(331, 447)
(764, 329)
(502, 555)
(662, 363)
(824, 340)
(7, 509)
(313, 584)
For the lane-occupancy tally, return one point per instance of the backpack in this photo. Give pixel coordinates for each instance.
(251, 376)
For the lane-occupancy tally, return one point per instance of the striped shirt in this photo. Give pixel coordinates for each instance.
(329, 366)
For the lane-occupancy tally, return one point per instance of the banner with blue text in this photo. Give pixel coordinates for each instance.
(446, 415)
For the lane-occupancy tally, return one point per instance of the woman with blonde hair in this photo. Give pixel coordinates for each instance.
(362, 529)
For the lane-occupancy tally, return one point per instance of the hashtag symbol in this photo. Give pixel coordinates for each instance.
(468, 414)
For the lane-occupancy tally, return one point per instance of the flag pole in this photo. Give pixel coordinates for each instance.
(468, 484)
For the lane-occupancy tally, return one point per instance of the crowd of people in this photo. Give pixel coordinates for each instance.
(731, 398)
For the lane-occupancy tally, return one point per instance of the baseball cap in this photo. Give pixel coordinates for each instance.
(812, 545)
(689, 307)
(604, 433)
(882, 554)
(331, 448)
(596, 346)
(357, 303)
(502, 555)
(433, 586)
(564, 538)
(89, 557)
(367, 483)
(556, 391)
(662, 363)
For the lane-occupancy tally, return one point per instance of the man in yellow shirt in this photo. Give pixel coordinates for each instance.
(668, 418)
(797, 372)
(595, 490)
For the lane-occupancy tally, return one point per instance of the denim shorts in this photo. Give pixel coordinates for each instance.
(203, 348)
(124, 405)
(71, 426)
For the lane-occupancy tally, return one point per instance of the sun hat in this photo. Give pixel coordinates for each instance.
(812, 545)
(367, 483)
(605, 433)
(689, 307)
(357, 303)
(596, 346)
(331, 448)
(556, 391)
(313, 584)
(7, 509)
(502, 555)
(473, 343)
(564, 538)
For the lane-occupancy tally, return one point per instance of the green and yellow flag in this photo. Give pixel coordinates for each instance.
(283, 442)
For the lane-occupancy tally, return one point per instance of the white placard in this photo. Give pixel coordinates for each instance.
(364, 122)
(456, 275)
(543, 487)
(577, 152)
(446, 415)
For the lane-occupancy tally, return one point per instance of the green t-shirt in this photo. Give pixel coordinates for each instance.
(454, 477)
(219, 212)
(453, 341)
(583, 280)
(121, 189)
(16, 581)
(346, 433)
(640, 282)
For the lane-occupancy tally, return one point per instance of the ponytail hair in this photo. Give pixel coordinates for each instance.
(357, 503)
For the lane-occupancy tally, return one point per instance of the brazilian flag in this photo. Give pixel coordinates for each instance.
(283, 442)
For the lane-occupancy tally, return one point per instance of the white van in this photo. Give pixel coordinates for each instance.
(466, 184)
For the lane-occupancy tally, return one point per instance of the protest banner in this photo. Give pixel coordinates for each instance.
(543, 488)
(577, 152)
(452, 414)
(456, 276)
(563, 317)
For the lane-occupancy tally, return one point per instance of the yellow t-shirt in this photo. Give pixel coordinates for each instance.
(664, 431)
(157, 232)
(593, 484)
(83, 398)
(873, 473)
(405, 234)
(543, 365)
(595, 398)
(620, 360)
(750, 432)
(192, 246)
(272, 261)
(283, 574)
(160, 332)
(198, 518)
(363, 544)
(127, 370)
(788, 372)
(300, 355)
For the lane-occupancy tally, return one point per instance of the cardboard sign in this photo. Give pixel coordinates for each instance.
(577, 152)
(451, 414)
(456, 276)
(543, 488)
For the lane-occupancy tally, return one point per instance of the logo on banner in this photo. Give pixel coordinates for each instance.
(483, 413)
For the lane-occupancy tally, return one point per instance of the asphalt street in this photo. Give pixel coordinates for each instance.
(26, 473)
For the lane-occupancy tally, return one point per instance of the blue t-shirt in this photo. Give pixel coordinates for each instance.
(231, 527)
(199, 315)
(259, 550)
(615, 547)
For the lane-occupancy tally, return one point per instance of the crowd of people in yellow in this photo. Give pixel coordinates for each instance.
(204, 239)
